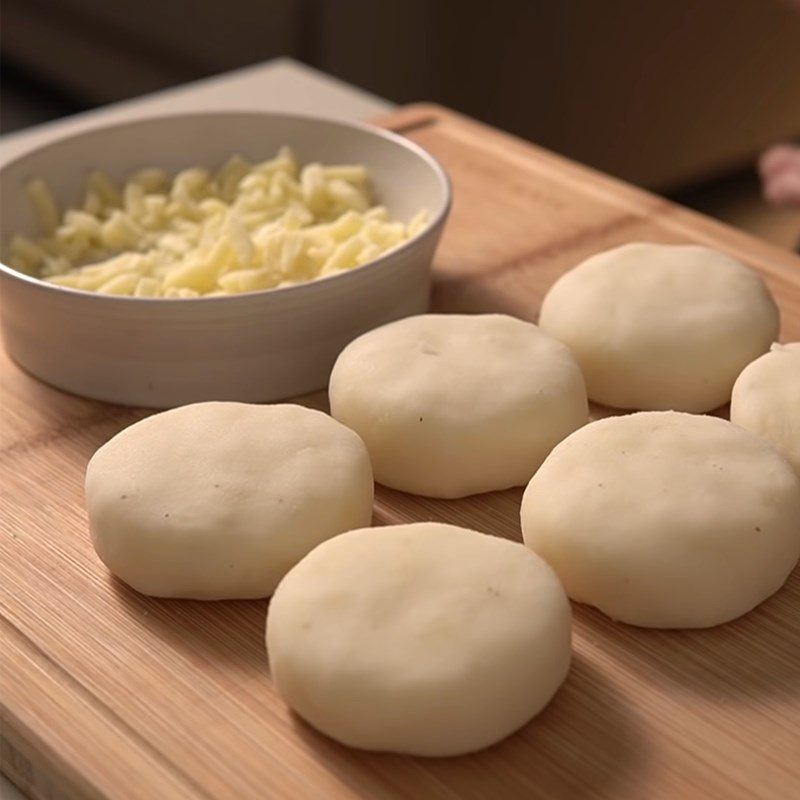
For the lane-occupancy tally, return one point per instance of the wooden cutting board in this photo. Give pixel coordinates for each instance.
(110, 694)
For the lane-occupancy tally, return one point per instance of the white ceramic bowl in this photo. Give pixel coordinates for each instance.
(261, 346)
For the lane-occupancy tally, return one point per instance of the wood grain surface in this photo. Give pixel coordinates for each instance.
(107, 693)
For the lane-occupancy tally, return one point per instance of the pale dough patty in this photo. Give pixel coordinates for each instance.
(424, 638)
(451, 405)
(218, 500)
(766, 399)
(664, 519)
(658, 327)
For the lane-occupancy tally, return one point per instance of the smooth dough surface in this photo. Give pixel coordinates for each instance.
(451, 405)
(218, 500)
(423, 638)
(658, 327)
(665, 519)
(766, 399)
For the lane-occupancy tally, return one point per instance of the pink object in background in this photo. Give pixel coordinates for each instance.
(779, 168)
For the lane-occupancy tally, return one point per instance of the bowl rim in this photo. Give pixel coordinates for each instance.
(366, 127)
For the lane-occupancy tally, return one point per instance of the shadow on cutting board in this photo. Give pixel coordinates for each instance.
(491, 512)
(754, 656)
(586, 743)
(228, 633)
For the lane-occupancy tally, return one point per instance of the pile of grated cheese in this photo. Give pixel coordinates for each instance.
(247, 227)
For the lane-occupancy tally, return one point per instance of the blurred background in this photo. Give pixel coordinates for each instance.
(680, 96)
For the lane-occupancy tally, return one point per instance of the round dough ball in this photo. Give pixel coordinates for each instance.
(451, 405)
(424, 639)
(658, 326)
(664, 519)
(217, 501)
(766, 400)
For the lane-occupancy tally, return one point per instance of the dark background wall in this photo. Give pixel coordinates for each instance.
(666, 93)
